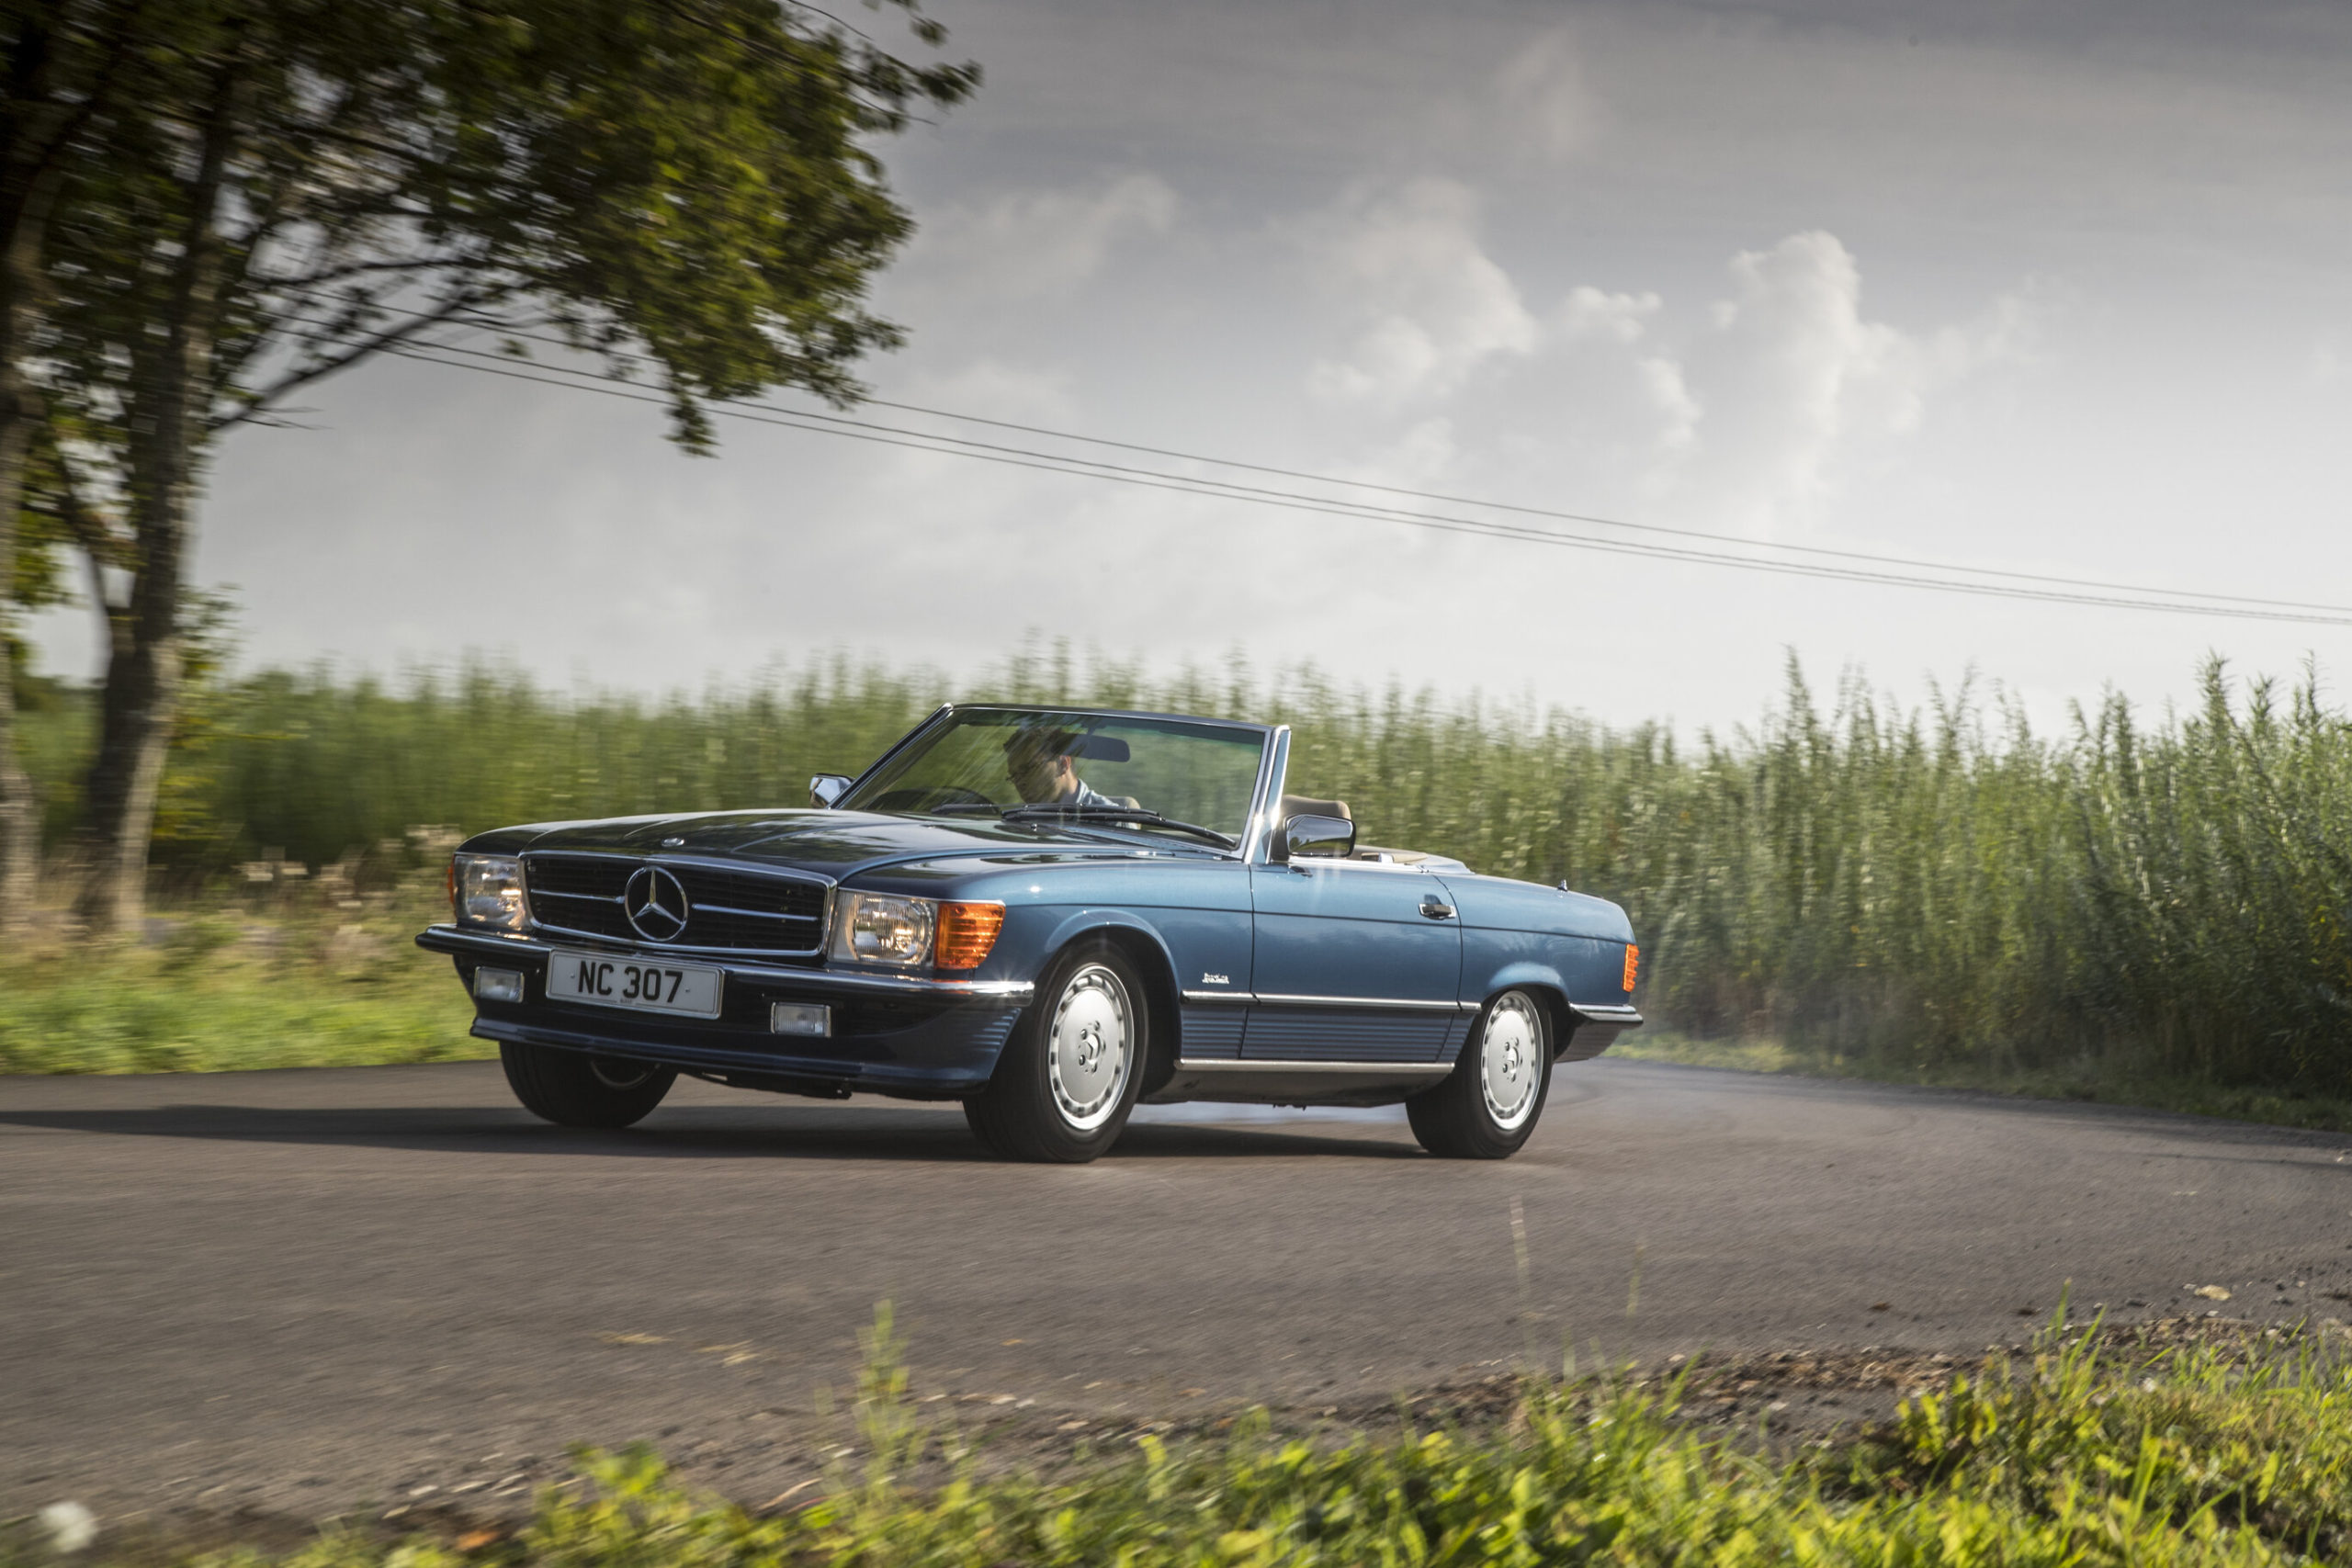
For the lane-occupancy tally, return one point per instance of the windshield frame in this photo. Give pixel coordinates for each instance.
(1271, 738)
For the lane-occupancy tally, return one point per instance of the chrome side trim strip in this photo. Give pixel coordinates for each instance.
(1396, 1003)
(443, 938)
(1387, 1069)
(1603, 1012)
(1273, 999)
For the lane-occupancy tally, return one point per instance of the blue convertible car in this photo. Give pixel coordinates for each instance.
(1048, 914)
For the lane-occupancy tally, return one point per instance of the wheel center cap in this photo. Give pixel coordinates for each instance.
(1089, 1047)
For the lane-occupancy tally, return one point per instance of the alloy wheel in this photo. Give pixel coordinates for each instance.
(1089, 1051)
(1511, 1066)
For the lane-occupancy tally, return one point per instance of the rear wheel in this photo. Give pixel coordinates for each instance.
(574, 1089)
(1487, 1107)
(1071, 1072)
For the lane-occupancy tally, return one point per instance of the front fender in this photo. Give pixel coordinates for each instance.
(1158, 978)
(1076, 923)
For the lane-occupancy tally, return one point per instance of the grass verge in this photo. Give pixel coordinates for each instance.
(2101, 1082)
(230, 988)
(2089, 1451)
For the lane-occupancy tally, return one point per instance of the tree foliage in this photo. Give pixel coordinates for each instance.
(685, 187)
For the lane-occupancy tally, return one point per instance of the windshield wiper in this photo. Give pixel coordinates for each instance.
(1050, 812)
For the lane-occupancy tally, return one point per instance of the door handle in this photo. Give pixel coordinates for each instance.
(1435, 908)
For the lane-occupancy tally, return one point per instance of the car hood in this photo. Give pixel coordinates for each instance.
(835, 845)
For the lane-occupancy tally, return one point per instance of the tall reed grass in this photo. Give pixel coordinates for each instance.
(1938, 886)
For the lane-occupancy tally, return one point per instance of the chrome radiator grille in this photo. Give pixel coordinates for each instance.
(732, 910)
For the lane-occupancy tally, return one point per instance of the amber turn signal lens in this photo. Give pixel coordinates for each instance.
(1633, 964)
(966, 932)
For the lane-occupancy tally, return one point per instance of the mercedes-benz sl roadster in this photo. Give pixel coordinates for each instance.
(1048, 914)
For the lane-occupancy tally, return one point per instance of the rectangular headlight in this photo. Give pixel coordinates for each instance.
(498, 985)
(487, 890)
(878, 928)
(813, 1019)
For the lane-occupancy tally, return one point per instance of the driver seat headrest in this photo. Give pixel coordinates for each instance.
(1300, 805)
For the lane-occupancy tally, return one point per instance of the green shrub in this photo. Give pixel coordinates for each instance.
(2084, 1459)
(1934, 891)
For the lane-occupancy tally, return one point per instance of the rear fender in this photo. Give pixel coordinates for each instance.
(1541, 981)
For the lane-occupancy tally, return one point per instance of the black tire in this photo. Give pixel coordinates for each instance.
(574, 1089)
(1029, 1112)
(1459, 1118)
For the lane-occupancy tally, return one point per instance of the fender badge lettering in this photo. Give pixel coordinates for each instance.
(1215, 980)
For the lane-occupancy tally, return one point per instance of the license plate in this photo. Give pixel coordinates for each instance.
(634, 983)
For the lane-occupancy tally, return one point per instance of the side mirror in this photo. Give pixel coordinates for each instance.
(1319, 838)
(827, 788)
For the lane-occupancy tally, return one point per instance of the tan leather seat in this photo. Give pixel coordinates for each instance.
(1300, 805)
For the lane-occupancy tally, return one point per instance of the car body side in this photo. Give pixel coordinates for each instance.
(1186, 918)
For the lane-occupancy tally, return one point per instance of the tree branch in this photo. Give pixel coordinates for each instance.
(399, 332)
(99, 546)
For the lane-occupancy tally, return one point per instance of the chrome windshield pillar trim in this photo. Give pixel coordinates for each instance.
(909, 738)
(1273, 770)
(448, 937)
(1378, 1069)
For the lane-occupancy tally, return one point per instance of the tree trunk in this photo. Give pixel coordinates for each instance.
(173, 398)
(31, 169)
(19, 808)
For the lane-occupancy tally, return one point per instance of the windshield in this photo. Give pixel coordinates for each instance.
(1041, 763)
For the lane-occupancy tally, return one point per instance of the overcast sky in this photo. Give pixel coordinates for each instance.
(2047, 287)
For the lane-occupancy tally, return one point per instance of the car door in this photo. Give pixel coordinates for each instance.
(1354, 962)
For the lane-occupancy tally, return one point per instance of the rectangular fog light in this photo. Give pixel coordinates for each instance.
(499, 985)
(799, 1018)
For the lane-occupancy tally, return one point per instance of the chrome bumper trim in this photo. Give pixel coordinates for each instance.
(1624, 1017)
(444, 938)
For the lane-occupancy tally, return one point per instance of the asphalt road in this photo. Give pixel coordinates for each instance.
(303, 1292)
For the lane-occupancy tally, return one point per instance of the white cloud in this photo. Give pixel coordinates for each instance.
(2327, 365)
(1429, 306)
(1588, 312)
(1790, 381)
(1027, 244)
(1039, 396)
(1546, 93)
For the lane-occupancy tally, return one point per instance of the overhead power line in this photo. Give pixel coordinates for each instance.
(1868, 557)
(1823, 563)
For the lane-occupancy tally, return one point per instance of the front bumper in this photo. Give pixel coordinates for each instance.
(906, 1035)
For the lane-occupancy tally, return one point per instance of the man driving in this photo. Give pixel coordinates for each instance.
(1044, 771)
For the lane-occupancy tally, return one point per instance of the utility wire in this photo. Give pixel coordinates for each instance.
(2106, 595)
(1870, 558)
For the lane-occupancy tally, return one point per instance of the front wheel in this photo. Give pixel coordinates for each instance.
(1489, 1106)
(1073, 1069)
(573, 1088)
